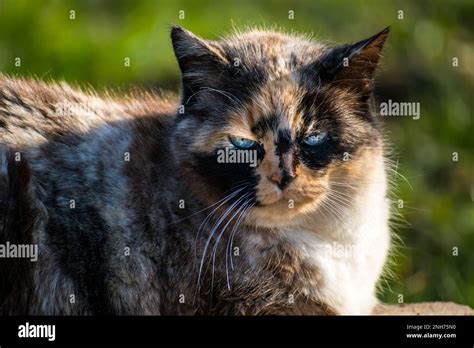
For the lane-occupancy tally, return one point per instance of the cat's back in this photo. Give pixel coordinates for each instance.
(71, 157)
(72, 138)
(33, 112)
(78, 143)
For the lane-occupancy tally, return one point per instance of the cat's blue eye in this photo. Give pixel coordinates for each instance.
(316, 139)
(242, 143)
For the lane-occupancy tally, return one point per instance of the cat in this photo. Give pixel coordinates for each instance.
(148, 204)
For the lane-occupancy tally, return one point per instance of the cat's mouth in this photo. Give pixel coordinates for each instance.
(285, 207)
(270, 194)
(287, 204)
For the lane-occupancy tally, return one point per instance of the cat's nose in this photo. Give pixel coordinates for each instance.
(282, 180)
(275, 178)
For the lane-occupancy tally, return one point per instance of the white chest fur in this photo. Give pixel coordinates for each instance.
(350, 253)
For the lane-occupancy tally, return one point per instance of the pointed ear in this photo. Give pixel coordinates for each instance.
(353, 64)
(200, 61)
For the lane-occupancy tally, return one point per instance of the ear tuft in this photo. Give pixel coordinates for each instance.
(190, 49)
(353, 63)
(184, 42)
(371, 48)
(201, 62)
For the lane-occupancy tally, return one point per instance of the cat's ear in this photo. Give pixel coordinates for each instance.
(201, 61)
(353, 64)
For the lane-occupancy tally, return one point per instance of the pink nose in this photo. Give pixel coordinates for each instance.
(282, 180)
(275, 178)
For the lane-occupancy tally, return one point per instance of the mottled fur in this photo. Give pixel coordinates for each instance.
(127, 245)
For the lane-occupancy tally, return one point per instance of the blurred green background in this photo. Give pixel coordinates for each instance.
(91, 48)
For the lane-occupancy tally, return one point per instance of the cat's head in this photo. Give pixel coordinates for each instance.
(278, 124)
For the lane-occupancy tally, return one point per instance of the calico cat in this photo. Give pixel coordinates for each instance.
(262, 192)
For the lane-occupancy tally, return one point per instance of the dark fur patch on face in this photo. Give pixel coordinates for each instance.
(224, 176)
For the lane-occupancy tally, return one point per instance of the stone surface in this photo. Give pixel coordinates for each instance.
(424, 308)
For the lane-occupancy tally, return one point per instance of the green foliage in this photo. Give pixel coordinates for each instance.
(438, 201)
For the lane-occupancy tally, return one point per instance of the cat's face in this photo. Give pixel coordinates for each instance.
(279, 125)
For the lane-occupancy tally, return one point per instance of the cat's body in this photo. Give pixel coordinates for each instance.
(116, 196)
